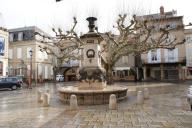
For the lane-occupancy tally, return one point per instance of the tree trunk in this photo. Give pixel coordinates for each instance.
(109, 75)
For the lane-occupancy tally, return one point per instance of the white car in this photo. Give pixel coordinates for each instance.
(59, 78)
(189, 97)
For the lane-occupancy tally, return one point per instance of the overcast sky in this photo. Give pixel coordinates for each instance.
(47, 13)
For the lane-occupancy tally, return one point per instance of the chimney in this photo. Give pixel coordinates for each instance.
(161, 10)
(91, 25)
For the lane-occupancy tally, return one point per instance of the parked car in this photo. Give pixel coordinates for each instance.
(20, 79)
(59, 78)
(10, 83)
(189, 97)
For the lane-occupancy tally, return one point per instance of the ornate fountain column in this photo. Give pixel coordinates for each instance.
(91, 71)
(91, 89)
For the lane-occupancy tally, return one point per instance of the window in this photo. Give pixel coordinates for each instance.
(170, 39)
(15, 37)
(122, 75)
(40, 56)
(10, 54)
(24, 36)
(51, 70)
(11, 37)
(124, 59)
(154, 55)
(126, 72)
(28, 54)
(90, 41)
(46, 72)
(19, 53)
(20, 36)
(171, 55)
(188, 39)
(189, 72)
(172, 25)
(40, 70)
(45, 55)
(113, 73)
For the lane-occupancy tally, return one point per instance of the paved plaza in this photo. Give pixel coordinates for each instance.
(167, 107)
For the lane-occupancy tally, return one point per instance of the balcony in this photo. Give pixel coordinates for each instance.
(164, 60)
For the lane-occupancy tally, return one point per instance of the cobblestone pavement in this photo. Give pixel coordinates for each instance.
(167, 108)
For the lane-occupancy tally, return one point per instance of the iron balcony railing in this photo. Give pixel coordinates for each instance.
(164, 60)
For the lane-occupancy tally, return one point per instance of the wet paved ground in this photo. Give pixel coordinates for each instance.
(167, 108)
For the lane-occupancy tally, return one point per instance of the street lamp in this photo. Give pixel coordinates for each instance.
(30, 74)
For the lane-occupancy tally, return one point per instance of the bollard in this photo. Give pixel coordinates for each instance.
(46, 99)
(189, 97)
(47, 90)
(73, 102)
(146, 93)
(112, 102)
(140, 97)
(39, 96)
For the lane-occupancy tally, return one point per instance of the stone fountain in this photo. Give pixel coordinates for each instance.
(92, 88)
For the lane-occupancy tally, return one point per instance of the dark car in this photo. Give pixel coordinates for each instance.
(10, 82)
(20, 79)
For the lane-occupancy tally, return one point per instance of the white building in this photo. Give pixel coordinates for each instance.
(21, 41)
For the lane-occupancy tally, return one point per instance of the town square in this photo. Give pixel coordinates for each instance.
(86, 64)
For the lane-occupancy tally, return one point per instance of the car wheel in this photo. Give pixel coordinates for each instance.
(14, 87)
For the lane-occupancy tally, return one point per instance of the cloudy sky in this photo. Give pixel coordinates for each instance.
(47, 13)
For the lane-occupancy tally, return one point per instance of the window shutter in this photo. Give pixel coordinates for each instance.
(149, 56)
(158, 55)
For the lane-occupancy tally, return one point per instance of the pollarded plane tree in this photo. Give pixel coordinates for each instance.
(137, 37)
(64, 46)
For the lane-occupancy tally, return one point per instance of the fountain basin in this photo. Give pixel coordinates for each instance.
(92, 97)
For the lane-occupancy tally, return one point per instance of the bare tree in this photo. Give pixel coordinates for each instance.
(64, 46)
(139, 36)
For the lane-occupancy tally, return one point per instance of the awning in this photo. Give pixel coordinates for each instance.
(121, 68)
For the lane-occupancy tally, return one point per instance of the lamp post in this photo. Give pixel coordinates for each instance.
(30, 74)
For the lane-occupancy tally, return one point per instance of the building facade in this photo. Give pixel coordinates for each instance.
(21, 42)
(4, 36)
(166, 64)
(188, 45)
(124, 69)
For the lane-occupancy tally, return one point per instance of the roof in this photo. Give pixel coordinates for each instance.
(157, 16)
(35, 28)
(188, 31)
(3, 29)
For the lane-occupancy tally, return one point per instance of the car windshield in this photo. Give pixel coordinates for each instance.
(2, 79)
(20, 78)
(11, 79)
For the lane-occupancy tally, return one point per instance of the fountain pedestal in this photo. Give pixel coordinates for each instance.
(92, 89)
(92, 96)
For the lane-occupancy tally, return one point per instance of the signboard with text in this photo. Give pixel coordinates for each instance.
(2, 46)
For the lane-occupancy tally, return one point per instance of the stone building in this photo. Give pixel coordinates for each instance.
(124, 69)
(21, 42)
(165, 64)
(188, 45)
(4, 36)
